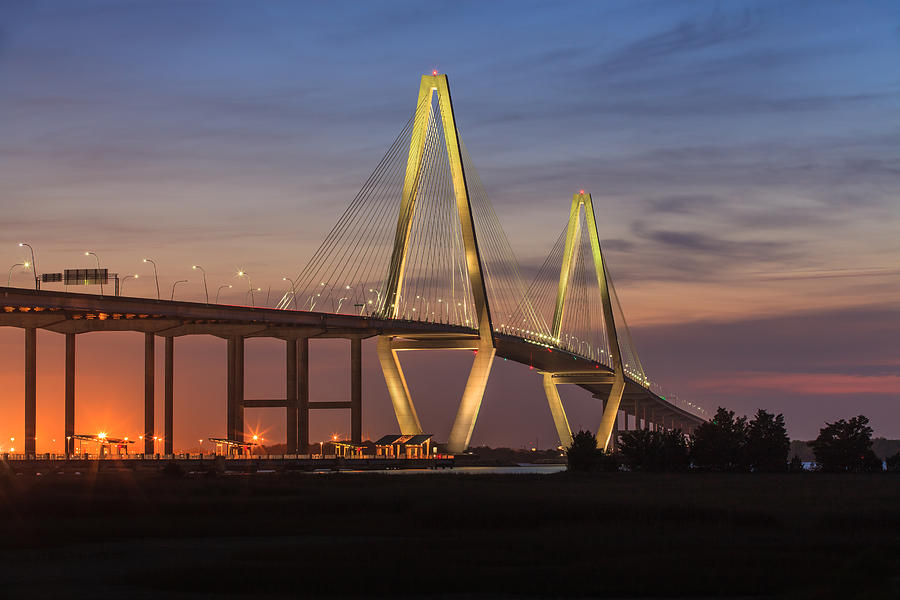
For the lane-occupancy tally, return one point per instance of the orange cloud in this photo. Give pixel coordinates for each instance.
(803, 383)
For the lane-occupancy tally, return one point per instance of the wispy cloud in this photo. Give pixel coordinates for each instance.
(830, 384)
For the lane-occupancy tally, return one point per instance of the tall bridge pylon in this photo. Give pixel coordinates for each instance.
(483, 345)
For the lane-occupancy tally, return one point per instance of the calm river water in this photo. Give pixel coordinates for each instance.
(521, 469)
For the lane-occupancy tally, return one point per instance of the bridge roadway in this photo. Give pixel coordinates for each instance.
(75, 313)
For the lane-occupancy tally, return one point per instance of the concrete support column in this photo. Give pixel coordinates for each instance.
(239, 388)
(614, 436)
(473, 394)
(291, 395)
(557, 411)
(404, 409)
(230, 394)
(169, 396)
(356, 390)
(303, 395)
(637, 415)
(30, 389)
(70, 395)
(149, 391)
(614, 429)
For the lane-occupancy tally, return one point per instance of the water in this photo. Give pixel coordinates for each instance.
(521, 469)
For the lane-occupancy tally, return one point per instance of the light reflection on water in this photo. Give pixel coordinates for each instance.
(522, 469)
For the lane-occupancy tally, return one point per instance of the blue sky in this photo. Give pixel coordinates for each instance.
(744, 158)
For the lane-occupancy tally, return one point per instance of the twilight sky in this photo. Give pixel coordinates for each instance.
(744, 159)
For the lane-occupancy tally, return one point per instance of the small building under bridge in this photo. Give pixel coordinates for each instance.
(228, 447)
(105, 445)
(404, 446)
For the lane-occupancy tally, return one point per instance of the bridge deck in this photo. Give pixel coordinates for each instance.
(66, 312)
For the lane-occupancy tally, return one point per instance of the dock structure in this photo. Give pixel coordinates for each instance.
(205, 463)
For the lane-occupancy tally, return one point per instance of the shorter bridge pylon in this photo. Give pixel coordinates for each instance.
(615, 380)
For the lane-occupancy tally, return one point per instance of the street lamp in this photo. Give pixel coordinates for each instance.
(21, 244)
(205, 289)
(155, 275)
(293, 290)
(124, 279)
(243, 273)
(94, 254)
(250, 293)
(9, 275)
(173, 287)
(221, 287)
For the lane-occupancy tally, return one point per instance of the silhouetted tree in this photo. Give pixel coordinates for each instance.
(645, 450)
(768, 443)
(892, 463)
(676, 453)
(581, 455)
(719, 444)
(846, 446)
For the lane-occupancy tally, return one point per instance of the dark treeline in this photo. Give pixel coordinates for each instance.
(736, 444)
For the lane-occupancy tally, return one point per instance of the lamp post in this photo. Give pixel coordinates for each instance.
(155, 275)
(250, 293)
(173, 287)
(94, 254)
(341, 300)
(221, 287)
(24, 244)
(124, 279)
(243, 273)
(9, 275)
(293, 290)
(205, 289)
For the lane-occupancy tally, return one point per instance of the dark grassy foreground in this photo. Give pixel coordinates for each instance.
(351, 535)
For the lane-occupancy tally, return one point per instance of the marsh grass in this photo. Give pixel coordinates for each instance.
(604, 534)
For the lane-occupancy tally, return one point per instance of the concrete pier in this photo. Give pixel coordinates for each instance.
(239, 387)
(70, 395)
(30, 389)
(169, 427)
(291, 395)
(303, 395)
(355, 390)
(149, 390)
(229, 392)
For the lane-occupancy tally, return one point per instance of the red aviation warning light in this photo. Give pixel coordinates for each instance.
(581, 192)
(434, 71)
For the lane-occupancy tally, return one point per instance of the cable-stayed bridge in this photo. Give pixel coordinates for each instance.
(418, 259)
